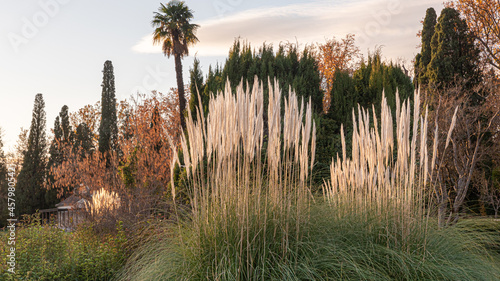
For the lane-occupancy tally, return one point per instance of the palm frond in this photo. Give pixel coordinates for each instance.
(173, 29)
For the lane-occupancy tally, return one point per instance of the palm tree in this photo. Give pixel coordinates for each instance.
(175, 33)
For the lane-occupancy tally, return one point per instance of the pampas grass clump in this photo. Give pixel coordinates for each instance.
(384, 176)
(252, 215)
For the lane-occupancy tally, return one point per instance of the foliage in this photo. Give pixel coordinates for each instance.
(423, 59)
(174, 31)
(328, 146)
(291, 67)
(49, 253)
(108, 128)
(139, 175)
(197, 90)
(333, 56)
(30, 182)
(365, 87)
(453, 52)
(90, 117)
(354, 247)
(343, 98)
(483, 21)
(375, 77)
(62, 138)
(83, 140)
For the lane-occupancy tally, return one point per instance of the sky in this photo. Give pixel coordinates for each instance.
(58, 47)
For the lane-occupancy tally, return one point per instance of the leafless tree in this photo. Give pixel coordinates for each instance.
(476, 120)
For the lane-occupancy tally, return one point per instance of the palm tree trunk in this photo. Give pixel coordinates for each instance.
(180, 89)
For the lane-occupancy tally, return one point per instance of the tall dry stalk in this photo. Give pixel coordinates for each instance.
(104, 206)
(237, 182)
(384, 175)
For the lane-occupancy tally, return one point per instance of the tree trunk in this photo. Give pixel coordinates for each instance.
(442, 214)
(442, 205)
(180, 89)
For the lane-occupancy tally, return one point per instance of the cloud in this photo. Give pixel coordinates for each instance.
(392, 23)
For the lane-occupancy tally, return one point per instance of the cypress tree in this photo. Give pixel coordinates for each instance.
(196, 88)
(61, 141)
(65, 126)
(424, 57)
(156, 129)
(307, 80)
(232, 70)
(83, 140)
(375, 76)
(288, 65)
(127, 132)
(108, 129)
(30, 185)
(343, 98)
(214, 82)
(453, 52)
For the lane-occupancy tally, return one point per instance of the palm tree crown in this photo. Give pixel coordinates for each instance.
(172, 28)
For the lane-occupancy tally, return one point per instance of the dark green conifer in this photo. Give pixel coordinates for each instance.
(83, 140)
(58, 148)
(30, 185)
(424, 57)
(108, 129)
(454, 54)
(196, 88)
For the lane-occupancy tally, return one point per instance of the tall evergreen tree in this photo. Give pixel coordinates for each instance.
(375, 76)
(214, 81)
(307, 80)
(58, 148)
(83, 140)
(454, 53)
(343, 97)
(108, 129)
(424, 57)
(30, 185)
(156, 129)
(288, 65)
(196, 88)
(365, 87)
(65, 126)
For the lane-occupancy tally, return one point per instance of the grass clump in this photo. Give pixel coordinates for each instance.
(248, 199)
(46, 252)
(252, 215)
(357, 246)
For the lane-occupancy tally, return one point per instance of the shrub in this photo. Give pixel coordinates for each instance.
(45, 252)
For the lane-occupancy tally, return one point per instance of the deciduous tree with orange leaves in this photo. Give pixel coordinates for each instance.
(332, 56)
(483, 19)
(138, 173)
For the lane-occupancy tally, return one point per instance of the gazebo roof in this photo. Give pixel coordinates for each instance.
(73, 201)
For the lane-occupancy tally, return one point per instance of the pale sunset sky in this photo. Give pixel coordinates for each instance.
(58, 47)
